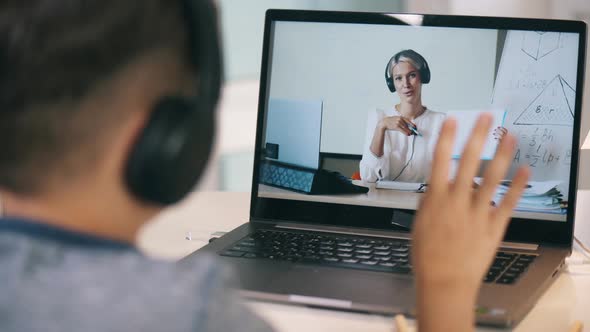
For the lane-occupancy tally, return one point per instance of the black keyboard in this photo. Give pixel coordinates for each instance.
(375, 254)
(507, 267)
(285, 177)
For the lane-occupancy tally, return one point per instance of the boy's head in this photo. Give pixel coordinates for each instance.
(79, 80)
(80, 83)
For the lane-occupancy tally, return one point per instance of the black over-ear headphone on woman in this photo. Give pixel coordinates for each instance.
(172, 150)
(416, 57)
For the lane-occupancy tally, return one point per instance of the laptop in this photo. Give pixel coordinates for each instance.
(350, 251)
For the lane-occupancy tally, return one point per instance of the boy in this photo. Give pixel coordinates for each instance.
(78, 86)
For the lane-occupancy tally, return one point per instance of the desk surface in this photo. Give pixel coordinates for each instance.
(203, 213)
(378, 198)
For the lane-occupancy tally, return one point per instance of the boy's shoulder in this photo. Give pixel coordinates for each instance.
(56, 283)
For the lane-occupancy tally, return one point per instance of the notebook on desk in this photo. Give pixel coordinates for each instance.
(351, 251)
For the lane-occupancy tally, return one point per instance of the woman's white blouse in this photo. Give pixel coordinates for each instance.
(397, 160)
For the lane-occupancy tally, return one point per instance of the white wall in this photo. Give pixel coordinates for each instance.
(242, 30)
(521, 8)
(343, 65)
(243, 25)
(528, 8)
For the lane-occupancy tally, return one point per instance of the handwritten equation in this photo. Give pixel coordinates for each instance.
(527, 84)
(536, 148)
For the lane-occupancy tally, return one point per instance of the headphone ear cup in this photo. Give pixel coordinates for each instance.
(389, 78)
(390, 84)
(171, 152)
(425, 73)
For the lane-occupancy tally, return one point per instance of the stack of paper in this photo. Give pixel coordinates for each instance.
(539, 196)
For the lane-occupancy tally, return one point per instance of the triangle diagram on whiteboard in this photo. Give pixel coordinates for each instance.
(537, 44)
(554, 106)
(570, 94)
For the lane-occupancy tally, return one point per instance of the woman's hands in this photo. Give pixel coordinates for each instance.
(457, 230)
(499, 133)
(397, 123)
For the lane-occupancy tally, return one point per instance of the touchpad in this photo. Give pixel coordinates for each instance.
(346, 284)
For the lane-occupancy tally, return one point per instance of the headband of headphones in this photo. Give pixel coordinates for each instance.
(172, 151)
(411, 54)
(204, 47)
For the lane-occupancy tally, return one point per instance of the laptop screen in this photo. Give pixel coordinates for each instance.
(365, 102)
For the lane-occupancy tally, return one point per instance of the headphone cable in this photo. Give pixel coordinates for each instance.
(410, 160)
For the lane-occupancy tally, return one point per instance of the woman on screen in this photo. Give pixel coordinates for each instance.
(401, 141)
(401, 145)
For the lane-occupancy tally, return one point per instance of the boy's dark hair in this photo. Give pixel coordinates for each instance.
(53, 53)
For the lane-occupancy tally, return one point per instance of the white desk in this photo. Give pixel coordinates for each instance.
(378, 198)
(568, 299)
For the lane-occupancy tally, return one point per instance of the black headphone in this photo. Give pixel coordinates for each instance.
(172, 151)
(411, 54)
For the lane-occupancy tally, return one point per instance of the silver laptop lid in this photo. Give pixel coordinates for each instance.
(526, 72)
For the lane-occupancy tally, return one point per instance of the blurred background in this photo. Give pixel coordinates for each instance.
(231, 165)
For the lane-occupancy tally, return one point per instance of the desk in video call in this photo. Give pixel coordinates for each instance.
(378, 198)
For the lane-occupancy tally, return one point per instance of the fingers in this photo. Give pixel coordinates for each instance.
(495, 172)
(497, 133)
(397, 123)
(502, 214)
(409, 122)
(439, 177)
(409, 125)
(404, 129)
(471, 156)
(500, 132)
(404, 126)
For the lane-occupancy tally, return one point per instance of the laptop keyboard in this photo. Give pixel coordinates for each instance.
(507, 267)
(375, 254)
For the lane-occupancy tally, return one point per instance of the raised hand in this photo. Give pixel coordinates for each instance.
(457, 230)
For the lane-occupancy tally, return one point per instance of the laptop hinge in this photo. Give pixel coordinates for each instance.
(390, 235)
(348, 231)
(519, 246)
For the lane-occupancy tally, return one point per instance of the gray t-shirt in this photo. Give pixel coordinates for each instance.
(55, 280)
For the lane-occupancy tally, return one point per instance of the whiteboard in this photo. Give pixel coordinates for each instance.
(536, 85)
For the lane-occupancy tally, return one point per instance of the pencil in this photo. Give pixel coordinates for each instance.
(401, 325)
(577, 326)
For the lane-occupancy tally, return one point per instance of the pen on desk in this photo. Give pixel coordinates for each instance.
(577, 327)
(401, 325)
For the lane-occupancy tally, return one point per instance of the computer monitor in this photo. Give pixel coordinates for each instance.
(293, 131)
